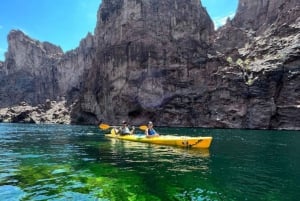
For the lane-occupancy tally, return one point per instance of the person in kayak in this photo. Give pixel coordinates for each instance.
(124, 129)
(150, 132)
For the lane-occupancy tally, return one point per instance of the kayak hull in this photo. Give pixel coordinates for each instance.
(182, 141)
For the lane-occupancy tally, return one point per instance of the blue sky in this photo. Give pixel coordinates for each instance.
(220, 10)
(66, 22)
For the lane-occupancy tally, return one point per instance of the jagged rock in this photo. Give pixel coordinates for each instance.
(254, 19)
(23, 117)
(162, 60)
(1, 67)
(56, 112)
(29, 71)
(150, 69)
(269, 42)
(35, 71)
(23, 103)
(72, 66)
(48, 105)
(152, 43)
(259, 15)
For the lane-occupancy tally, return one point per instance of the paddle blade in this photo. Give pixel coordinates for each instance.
(143, 127)
(104, 126)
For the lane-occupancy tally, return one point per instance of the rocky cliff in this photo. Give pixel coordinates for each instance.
(255, 18)
(35, 71)
(263, 40)
(162, 60)
(48, 112)
(260, 15)
(29, 71)
(149, 53)
(1, 67)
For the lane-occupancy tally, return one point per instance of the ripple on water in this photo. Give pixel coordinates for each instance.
(11, 193)
(45, 162)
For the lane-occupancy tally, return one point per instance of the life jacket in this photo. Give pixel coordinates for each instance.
(151, 131)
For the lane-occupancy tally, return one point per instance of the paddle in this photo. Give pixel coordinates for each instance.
(143, 127)
(106, 126)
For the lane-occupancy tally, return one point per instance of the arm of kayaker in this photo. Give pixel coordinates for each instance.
(132, 130)
(114, 131)
(146, 132)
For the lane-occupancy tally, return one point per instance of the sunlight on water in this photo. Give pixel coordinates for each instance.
(58, 162)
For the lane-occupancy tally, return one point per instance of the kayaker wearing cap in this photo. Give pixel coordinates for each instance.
(150, 132)
(124, 129)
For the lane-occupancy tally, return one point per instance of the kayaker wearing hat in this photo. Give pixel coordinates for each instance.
(124, 129)
(150, 132)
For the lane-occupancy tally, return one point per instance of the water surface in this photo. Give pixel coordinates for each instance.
(60, 162)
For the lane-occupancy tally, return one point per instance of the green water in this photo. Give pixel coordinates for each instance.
(58, 162)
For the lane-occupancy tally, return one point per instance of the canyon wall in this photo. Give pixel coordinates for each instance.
(163, 61)
(29, 71)
(263, 40)
(147, 52)
(35, 71)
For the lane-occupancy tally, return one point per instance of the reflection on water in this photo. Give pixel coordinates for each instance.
(117, 144)
(56, 162)
(174, 158)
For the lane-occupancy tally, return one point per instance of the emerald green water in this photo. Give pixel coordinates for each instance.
(59, 162)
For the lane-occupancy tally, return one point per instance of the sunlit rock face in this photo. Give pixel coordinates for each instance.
(263, 40)
(1, 67)
(29, 70)
(255, 18)
(72, 66)
(258, 15)
(35, 71)
(49, 112)
(163, 61)
(150, 55)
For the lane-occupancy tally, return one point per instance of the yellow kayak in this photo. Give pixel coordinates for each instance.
(183, 141)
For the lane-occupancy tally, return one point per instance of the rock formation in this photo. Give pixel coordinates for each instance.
(35, 71)
(72, 65)
(147, 52)
(165, 68)
(29, 71)
(268, 55)
(254, 18)
(48, 112)
(163, 61)
(1, 66)
(259, 15)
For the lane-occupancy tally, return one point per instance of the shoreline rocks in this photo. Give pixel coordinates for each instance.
(56, 112)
